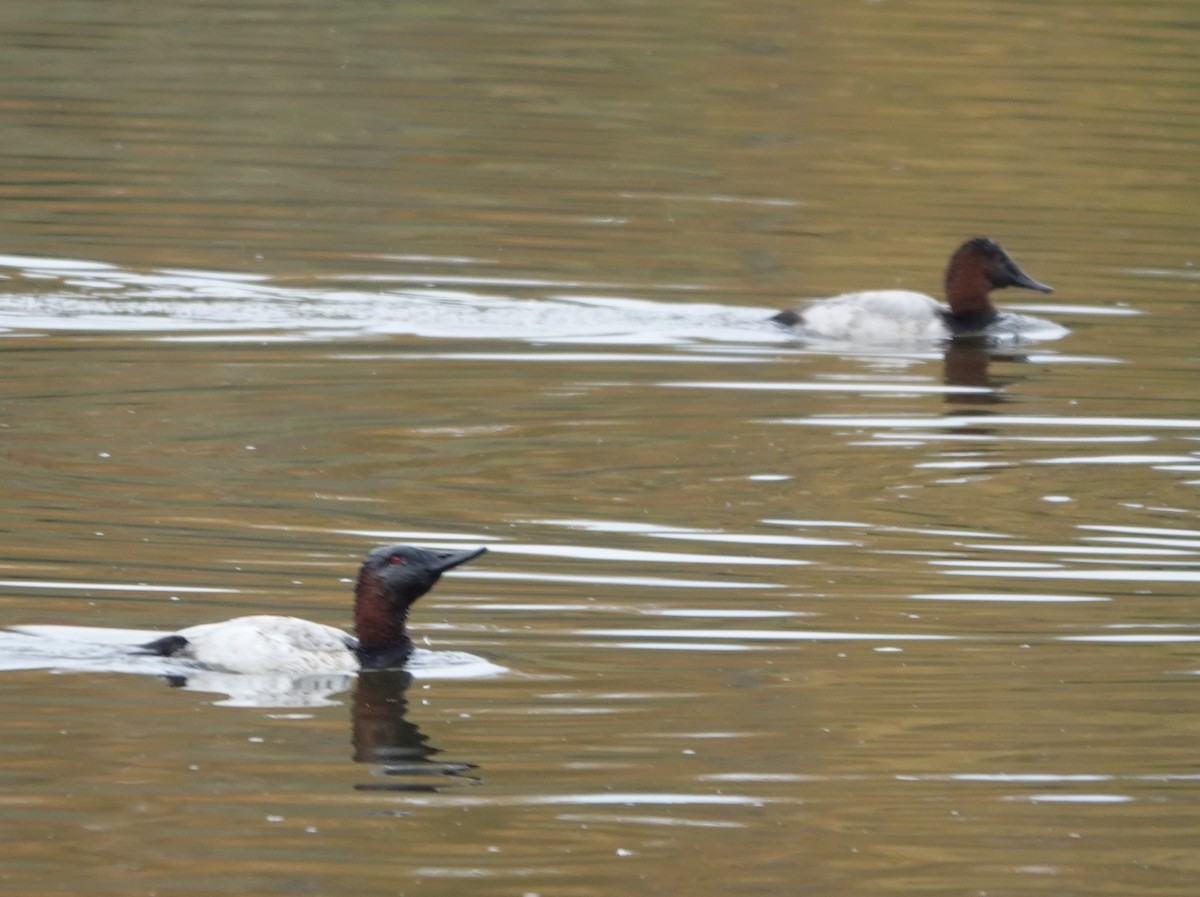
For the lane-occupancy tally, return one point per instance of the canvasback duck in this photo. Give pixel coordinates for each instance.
(390, 579)
(977, 267)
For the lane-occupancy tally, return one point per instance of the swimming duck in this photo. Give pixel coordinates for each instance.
(390, 579)
(977, 267)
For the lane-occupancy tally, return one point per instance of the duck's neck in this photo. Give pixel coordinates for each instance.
(379, 623)
(967, 286)
(970, 321)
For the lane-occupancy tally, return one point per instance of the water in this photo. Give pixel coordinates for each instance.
(285, 281)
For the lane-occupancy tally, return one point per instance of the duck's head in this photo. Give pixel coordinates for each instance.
(977, 267)
(403, 573)
(390, 579)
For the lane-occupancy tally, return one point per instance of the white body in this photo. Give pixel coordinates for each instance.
(269, 644)
(902, 316)
(876, 316)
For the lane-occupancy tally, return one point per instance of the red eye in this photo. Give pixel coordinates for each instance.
(396, 559)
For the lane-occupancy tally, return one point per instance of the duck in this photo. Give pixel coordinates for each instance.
(390, 579)
(977, 267)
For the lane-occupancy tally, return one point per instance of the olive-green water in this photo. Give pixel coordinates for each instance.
(287, 280)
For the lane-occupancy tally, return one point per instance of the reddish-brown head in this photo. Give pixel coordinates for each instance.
(976, 268)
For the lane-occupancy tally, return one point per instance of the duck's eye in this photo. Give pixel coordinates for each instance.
(396, 559)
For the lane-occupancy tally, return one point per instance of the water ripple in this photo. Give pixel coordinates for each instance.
(68, 294)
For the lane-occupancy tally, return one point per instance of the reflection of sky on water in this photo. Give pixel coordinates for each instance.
(75, 295)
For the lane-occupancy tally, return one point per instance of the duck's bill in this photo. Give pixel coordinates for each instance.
(1021, 279)
(448, 559)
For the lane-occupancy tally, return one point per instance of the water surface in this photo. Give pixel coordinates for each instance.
(285, 281)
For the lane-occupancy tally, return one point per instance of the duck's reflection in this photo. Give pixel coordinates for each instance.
(265, 690)
(381, 733)
(383, 736)
(967, 363)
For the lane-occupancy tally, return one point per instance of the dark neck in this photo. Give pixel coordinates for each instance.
(970, 321)
(385, 658)
(379, 623)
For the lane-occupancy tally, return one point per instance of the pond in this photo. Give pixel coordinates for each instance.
(285, 281)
